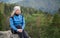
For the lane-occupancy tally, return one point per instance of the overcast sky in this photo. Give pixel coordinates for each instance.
(46, 5)
(11, 1)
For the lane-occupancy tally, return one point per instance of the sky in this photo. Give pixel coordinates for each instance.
(11, 1)
(45, 5)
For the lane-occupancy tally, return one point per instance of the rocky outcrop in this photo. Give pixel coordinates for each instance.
(7, 34)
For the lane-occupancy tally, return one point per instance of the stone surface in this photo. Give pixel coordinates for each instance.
(7, 34)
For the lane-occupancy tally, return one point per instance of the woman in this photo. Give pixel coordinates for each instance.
(17, 22)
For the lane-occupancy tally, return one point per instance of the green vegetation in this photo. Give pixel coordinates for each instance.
(39, 24)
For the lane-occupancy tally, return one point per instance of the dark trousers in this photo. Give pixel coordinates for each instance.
(20, 34)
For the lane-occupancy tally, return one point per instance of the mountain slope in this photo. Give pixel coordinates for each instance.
(45, 5)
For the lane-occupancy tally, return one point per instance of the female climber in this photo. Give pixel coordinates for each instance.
(17, 22)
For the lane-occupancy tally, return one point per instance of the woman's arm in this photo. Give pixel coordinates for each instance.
(12, 25)
(23, 25)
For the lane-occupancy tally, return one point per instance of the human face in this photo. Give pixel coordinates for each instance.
(18, 12)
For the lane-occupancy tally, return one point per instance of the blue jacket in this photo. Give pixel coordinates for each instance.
(17, 21)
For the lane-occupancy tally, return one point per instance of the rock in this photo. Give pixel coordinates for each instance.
(7, 34)
(14, 36)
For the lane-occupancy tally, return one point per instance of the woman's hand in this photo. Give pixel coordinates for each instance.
(19, 30)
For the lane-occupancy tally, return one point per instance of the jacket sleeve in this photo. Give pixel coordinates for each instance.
(12, 25)
(23, 25)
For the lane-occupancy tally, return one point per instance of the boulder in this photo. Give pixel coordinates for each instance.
(8, 34)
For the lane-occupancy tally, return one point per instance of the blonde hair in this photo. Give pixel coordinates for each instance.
(15, 8)
(12, 14)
